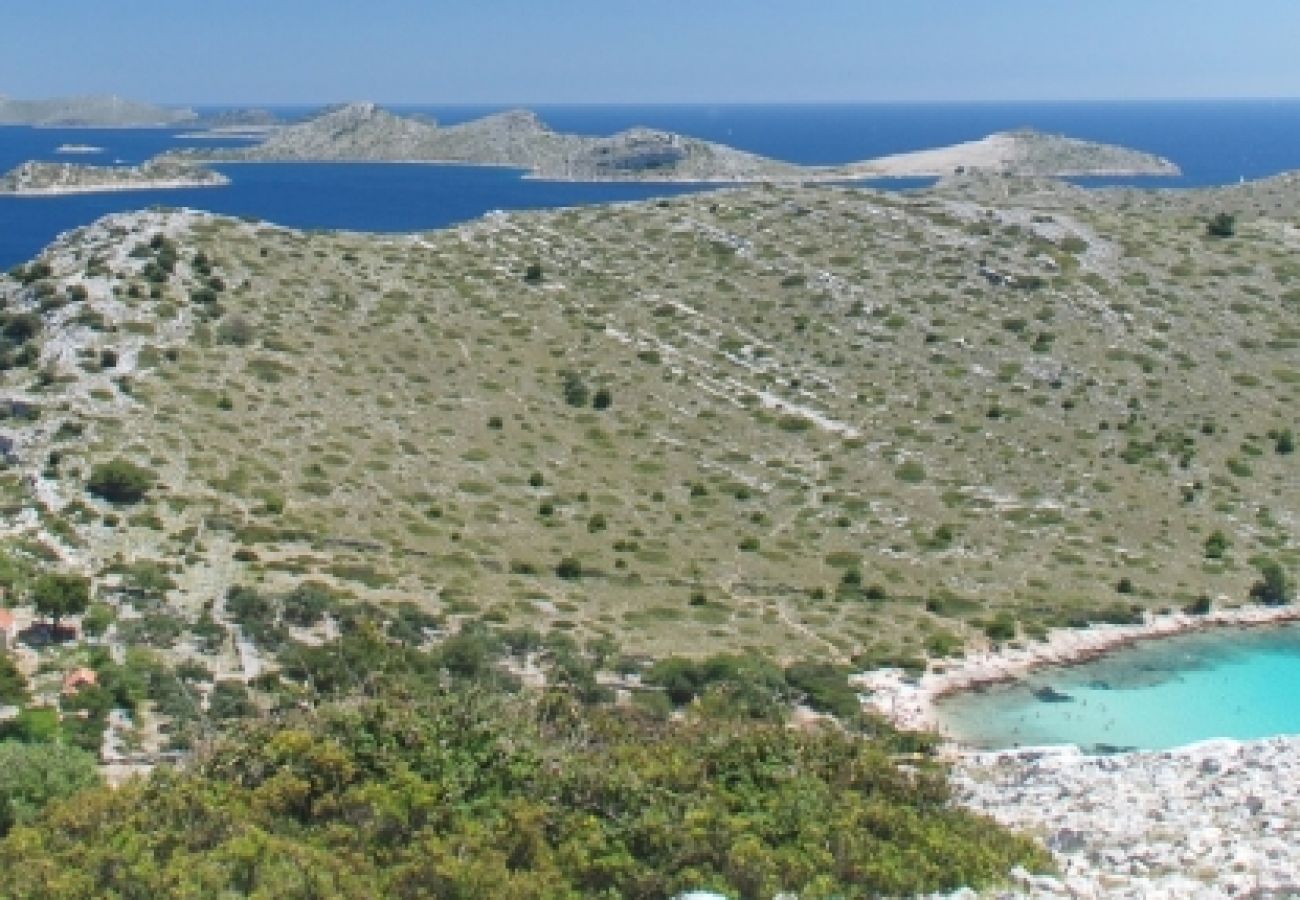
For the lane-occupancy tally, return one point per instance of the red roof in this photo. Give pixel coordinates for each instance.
(77, 679)
(7, 620)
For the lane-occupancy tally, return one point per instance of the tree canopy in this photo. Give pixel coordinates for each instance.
(469, 792)
(58, 595)
(34, 775)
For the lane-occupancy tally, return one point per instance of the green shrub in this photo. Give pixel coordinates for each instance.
(1273, 588)
(1216, 545)
(910, 472)
(568, 568)
(120, 481)
(575, 390)
(1201, 606)
(1001, 627)
(13, 685)
(1222, 225)
(1284, 441)
(825, 688)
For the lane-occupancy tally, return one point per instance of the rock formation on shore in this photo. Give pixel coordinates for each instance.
(1211, 820)
(364, 132)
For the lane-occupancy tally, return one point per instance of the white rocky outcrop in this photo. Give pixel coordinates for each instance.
(1213, 820)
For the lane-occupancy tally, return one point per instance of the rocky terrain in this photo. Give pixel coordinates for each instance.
(875, 427)
(32, 179)
(518, 138)
(90, 112)
(1209, 821)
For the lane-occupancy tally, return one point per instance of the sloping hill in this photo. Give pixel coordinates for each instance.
(811, 420)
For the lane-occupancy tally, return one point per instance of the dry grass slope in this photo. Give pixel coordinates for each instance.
(834, 421)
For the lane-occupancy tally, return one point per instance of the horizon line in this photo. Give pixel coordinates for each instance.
(957, 101)
(1281, 98)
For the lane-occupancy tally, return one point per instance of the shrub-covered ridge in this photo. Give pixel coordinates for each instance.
(472, 793)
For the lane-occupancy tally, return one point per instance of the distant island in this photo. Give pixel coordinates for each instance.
(91, 112)
(51, 179)
(1024, 153)
(364, 132)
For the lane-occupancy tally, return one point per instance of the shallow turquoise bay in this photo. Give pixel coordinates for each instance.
(1156, 695)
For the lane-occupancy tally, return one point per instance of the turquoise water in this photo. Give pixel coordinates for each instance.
(1156, 695)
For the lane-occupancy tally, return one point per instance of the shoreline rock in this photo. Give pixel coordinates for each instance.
(1214, 819)
(1211, 819)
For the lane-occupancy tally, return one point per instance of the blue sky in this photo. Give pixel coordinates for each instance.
(538, 51)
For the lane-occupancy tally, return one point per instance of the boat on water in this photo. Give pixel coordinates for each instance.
(78, 149)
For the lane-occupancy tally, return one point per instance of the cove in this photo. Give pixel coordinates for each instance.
(1153, 695)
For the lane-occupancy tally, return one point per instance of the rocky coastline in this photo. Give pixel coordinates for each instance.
(910, 702)
(1210, 820)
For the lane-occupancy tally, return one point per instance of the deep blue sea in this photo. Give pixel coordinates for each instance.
(1214, 142)
(1150, 696)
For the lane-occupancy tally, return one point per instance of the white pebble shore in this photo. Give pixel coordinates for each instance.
(1216, 819)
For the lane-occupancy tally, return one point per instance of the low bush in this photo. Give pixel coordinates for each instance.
(120, 481)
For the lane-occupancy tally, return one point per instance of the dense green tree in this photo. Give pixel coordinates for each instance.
(56, 595)
(13, 686)
(32, 776)
(34, 725)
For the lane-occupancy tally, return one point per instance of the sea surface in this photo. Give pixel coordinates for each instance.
(1156, 695)
(1214, 142)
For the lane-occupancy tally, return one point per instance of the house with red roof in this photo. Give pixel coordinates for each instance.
(77, 679)
(8, 629)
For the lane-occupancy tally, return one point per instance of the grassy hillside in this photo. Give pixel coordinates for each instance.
(807, 420)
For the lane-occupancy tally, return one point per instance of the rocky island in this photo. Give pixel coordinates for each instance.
(1023, 153)
(364, 132)
(91, 112)
(44, 179)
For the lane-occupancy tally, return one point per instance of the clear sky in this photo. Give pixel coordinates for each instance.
(538, 51)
